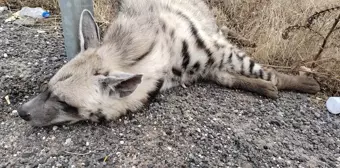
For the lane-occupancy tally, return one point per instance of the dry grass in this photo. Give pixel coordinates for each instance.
(263, 22)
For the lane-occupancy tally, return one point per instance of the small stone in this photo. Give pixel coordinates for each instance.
(5, 55)
(14, 112)
(317, 115)
(58, 164)
(68, 141)
(41, 31)
(87, 143)
(121, 142)
(55, 128)
(54, 58)
(27, 155)
(169, 148)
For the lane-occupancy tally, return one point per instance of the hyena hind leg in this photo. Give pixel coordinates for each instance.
(302, 83)
(235, 81)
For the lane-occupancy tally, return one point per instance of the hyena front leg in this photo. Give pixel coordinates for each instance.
(234, 81)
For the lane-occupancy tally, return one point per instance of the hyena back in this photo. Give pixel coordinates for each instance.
(152, 45)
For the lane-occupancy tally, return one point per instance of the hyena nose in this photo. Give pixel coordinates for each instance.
(24, 114)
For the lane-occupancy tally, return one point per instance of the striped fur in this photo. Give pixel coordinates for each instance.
(152, 45)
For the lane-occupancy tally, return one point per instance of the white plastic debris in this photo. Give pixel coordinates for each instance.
(5, 55)
(333, 105)
(28, 12)
(34, 12)
(7, 100)
(14, 17)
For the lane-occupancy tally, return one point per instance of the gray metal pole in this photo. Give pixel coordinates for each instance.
(70, 14)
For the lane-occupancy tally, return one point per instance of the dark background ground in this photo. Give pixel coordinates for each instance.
(202, 126)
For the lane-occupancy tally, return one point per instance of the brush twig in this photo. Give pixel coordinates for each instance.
(325, 40)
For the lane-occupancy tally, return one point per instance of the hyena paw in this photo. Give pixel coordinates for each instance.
(308, 85)
(268, 89)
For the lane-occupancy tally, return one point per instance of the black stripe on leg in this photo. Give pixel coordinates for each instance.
(176, 72)
(194, 31)
(210, 62)
(261, 73)
(195, 68)
(152, 94)
(230, 61)
(199, 41)
(269, 77)
(185, 55)
(251, 66)
(242, 68)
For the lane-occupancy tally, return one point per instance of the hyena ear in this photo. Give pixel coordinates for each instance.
(88, 31)
(120, 85)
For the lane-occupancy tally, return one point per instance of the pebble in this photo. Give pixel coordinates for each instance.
(14, 112)
(55, 128)
(5, 55)
(68, 141)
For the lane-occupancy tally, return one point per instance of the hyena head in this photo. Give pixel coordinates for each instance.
(81, 88)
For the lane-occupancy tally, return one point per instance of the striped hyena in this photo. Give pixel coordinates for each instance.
(152, 45)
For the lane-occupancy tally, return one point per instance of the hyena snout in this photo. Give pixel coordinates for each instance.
(24, 113)
(39, 111)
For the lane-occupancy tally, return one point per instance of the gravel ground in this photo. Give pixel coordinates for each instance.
(202, 126)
